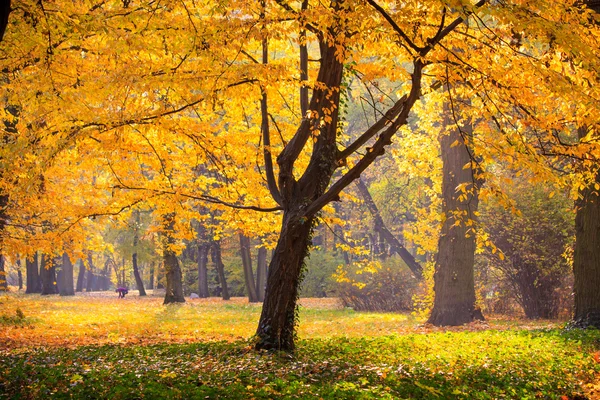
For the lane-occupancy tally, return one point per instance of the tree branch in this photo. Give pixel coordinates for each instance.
(386, 119)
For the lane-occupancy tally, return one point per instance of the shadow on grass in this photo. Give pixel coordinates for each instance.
(464, 365)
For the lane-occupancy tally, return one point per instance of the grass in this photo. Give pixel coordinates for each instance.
(105, 348)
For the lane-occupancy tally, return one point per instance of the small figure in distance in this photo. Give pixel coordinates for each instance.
(218, 290)
(122, 292)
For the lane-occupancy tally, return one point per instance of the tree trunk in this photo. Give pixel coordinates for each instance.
(151, 277)
(454, 283)
(160, 276)
(261, 273)
(174, 288)
(104, 283)
(80, 277)
(90, 276)
(384, 232)
(34, 284)
(134, 258)
(276, 329)
(136, 273)
(66, 283)
(298, 198)
(3, 281)
(48, 275)
(586, 260)
(247, 265)
(218, 261)
(19, 274)
(203, 270)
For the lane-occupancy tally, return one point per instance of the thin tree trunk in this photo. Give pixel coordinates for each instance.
(151, 277)
(90, 275)
(261, 273)
(66, 283)
(203, 270)
(384, 232)
(174, 288)
(136, 273)
(105, 281)
(454, 282)
(80, 277)
(34, 284)
(20, 274)
(218, 261)
(247, 265)
(3, 280)
(48, 275)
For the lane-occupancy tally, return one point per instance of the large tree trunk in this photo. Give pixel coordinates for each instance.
(66, 283)
(278, 317)
(276, 328)
(174, 288)
(261, 273)
(34, 284)
(203, 270)
(247, 265)
(80, 277)
(385, 233)
(586, 260)
(218, 261)
(454, 283)
(48, 275)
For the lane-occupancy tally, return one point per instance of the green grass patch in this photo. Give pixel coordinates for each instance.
(459, 365)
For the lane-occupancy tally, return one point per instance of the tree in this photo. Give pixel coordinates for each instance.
(174, 283)
(454, 286)
(527, 244)
(34, 283)
(66, 281)
(586, 260)
(48, 275)
(382, 229)
(134, 257)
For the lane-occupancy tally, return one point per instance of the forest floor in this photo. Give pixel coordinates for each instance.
(94, 345)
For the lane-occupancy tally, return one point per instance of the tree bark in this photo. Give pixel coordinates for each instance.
(385, 233)
(586, 260)
(261, 273)
(276, 328)
(247, 266)
(454, 282)
(218, 261)
(203, 270)
(19, 274)
(174, 288)
(90, 276)
(34, 283)
(151, 276)
(48, 275)
(3, 281)
(66, 283)
(134, 257)
(80, 277)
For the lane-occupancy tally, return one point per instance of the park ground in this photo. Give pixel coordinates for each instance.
(94, 345)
